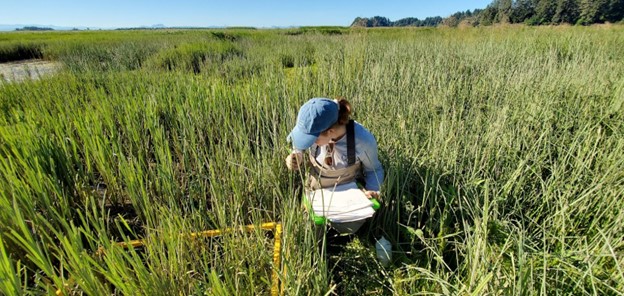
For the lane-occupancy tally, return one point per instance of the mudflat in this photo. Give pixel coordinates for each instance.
(27, 69)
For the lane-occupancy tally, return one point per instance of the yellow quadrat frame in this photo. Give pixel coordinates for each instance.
(269, 226)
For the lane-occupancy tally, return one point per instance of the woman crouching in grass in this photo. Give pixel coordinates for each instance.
(340, 150)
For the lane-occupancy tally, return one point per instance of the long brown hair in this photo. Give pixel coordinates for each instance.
(344, 112)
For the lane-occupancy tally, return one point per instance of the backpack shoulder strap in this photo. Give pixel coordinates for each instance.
(351, 142)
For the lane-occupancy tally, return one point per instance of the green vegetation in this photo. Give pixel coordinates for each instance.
(503, 149)
(530, 12)
(547, 12)
(16, 51)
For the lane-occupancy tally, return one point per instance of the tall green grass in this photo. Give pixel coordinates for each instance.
(502, 148)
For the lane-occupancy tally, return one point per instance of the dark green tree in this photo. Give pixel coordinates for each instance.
(407, 22)
(488, 15)
(33, 28)
(432, 21)
(592, 11)
(376, 21)
(456, 18)
(380, 21)
(504, 11)
(522, 10)
(545, 11)
(615, 11)
(451, 21)
(359, 22)
(567, 11)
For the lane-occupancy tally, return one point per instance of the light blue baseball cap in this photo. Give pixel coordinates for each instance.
(315, 116)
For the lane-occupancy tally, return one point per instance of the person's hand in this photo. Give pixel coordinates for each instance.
(371, 194)
(294, 160)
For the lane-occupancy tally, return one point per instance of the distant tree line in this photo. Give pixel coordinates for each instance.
(379, 21)
(463, 17)
(29, 28)
(530, 12)
(547, 12)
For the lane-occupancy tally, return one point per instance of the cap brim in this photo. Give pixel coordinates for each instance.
(301, 140)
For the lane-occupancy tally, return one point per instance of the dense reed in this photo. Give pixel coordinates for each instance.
(503, 149)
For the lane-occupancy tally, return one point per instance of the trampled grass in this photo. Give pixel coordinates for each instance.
(503, 149)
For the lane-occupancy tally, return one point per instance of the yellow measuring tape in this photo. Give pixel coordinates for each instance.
(271, 226)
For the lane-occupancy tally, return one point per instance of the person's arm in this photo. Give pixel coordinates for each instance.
(373, 171)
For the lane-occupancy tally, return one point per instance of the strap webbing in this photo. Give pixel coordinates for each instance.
(351, 142)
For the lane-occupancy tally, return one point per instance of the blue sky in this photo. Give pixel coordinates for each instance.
(260, 13)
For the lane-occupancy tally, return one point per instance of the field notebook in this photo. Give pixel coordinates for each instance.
(344, 203)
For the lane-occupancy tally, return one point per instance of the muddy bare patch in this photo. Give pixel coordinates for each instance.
(27, 69)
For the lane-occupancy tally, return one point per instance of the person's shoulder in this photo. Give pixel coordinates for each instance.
(363, 135)
(360, 130)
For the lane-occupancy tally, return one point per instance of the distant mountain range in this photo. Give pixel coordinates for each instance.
(11, 27)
